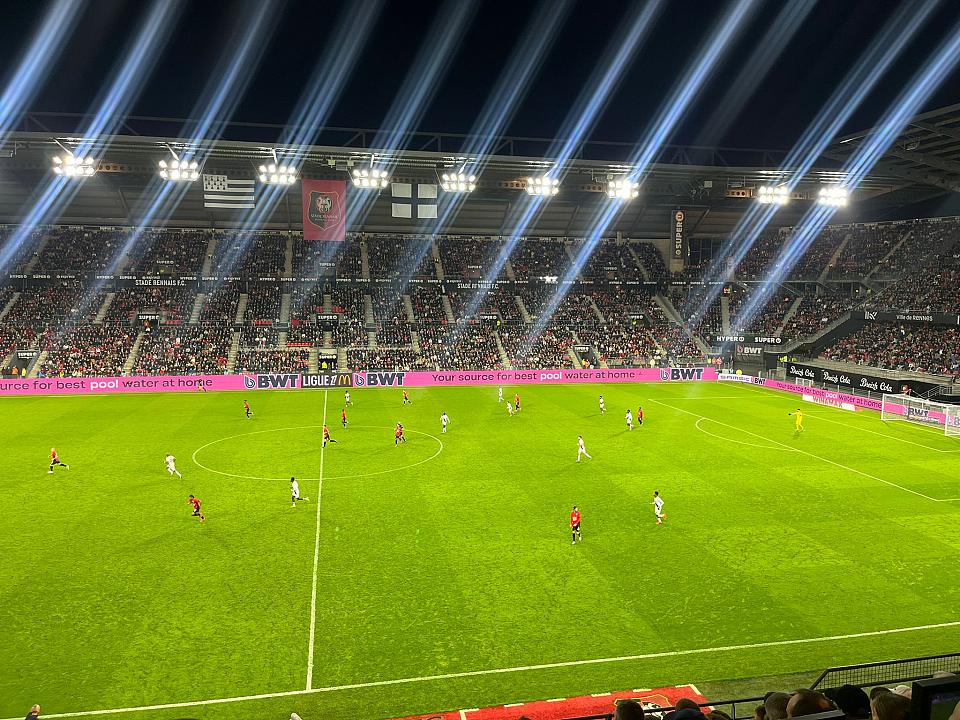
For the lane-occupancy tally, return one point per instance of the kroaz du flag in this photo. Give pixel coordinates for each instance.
(324, 209)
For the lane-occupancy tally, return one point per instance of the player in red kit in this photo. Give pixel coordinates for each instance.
(197, 512)
(326, 436)
(55, 460)
(639, 416)
(343, 417)
(575, 524)
(246, 409)
(398, 435)
(516, 402)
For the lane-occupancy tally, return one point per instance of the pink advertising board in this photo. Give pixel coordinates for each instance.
(132, 384)
(292, 381)
(533, 377)
(828, 395)
(921, 415)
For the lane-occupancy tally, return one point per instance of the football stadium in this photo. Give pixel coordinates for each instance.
(474, 361)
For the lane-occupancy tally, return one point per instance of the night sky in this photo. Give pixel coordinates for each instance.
(796, 83)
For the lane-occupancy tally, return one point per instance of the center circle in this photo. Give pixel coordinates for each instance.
(359, 451)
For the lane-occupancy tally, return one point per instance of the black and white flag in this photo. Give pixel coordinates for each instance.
(220, 191)
(417, 200)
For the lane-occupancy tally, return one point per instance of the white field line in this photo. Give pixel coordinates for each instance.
(803, 452)
(316, 558)
(703, 398)
(308, 427)
(502, 671)
(924, 429)
(874, 432)
(739, 442)
(234, 437)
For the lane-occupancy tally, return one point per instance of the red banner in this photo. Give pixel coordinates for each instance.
(588, 705)
(324, 209)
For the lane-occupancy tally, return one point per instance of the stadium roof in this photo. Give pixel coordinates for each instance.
(924, 156)
(714, 185)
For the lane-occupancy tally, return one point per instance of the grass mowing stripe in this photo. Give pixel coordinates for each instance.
(500, 671)
(498, 495)
(316, 557)
(804, 452)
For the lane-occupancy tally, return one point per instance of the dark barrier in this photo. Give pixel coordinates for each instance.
(850, 380)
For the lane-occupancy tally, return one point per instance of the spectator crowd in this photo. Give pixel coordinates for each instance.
(397, 309)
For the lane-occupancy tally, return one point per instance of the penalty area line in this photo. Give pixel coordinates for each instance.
(803, 452)
(316, 557)
(503, 671)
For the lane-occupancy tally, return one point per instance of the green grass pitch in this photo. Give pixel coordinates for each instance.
(452, 554)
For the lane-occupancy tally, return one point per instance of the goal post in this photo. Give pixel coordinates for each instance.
(952, 426)
(921, 412)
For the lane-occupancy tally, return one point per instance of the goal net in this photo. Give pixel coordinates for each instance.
(922, 412)
(952, 426)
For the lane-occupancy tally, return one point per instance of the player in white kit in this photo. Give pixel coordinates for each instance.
(295, 492)
(444, 421)
(581, 450)
(629, 418)
(500, 394)
(346, 398)
(172, 466)
(509, 409)
(658, 508)
(603, 408)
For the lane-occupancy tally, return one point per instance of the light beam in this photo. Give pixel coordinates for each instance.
(845, 99)
(643, 154)
(908, 103)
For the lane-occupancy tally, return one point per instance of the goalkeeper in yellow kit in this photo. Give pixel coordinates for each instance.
(798, 418)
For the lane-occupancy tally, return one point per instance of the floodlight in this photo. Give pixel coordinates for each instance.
(773, 194)
(543, 186)
(69, 165)
(273, 174)
(834, 196)
(622, 189)
(369, 178)
(178, 170)
(458, 182)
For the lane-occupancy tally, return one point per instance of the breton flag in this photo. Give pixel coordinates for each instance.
(220, 191)
(415, 201)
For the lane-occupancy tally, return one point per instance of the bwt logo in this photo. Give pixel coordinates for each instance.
(684, 374)
(268, 382)
(378, 379)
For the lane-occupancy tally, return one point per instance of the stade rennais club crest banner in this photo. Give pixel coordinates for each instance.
(324, 209)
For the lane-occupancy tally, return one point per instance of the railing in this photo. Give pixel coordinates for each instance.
(897, 375)
(940, 391)
(891, 672)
